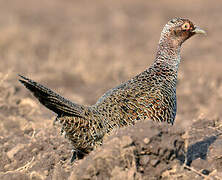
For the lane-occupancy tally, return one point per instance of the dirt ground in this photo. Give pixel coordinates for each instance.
(80, 49)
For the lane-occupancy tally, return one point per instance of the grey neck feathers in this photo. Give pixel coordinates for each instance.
(168, 53)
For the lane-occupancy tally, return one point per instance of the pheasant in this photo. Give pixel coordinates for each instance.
(151, 95)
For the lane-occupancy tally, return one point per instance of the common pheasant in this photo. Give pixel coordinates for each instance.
(149, 95)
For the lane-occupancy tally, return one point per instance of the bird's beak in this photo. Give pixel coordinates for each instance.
(198, 30)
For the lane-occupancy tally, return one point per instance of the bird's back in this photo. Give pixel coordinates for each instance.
(149, 95)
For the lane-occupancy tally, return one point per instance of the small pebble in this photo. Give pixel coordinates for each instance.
(34, 150)
(146, 140)
(205, 172)
(154, 162)
(144, 159)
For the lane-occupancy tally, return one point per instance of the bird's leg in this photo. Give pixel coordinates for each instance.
(55, 121)
(186, 146)
(77, 154)
(74, 155)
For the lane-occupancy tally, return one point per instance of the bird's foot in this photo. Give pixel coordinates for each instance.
(55, 121)
(74, 155)
(77, 154)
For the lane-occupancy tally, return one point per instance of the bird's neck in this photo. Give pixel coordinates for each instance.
(168, 54)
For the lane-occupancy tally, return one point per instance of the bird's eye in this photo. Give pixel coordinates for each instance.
(186, 26)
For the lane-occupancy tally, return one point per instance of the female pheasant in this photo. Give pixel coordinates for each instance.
(149, 95)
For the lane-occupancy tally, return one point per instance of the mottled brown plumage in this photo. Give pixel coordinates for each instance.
(149, 95)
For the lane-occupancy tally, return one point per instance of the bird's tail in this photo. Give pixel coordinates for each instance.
(52, 100)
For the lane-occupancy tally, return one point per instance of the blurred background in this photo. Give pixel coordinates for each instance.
(80, 49)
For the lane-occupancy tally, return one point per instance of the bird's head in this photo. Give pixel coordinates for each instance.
(179, 30)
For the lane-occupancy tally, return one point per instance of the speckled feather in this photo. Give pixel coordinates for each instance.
(151, 95)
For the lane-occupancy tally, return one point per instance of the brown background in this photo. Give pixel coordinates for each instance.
(80, 49)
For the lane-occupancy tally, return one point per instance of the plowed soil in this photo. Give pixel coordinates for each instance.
(80, 49)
